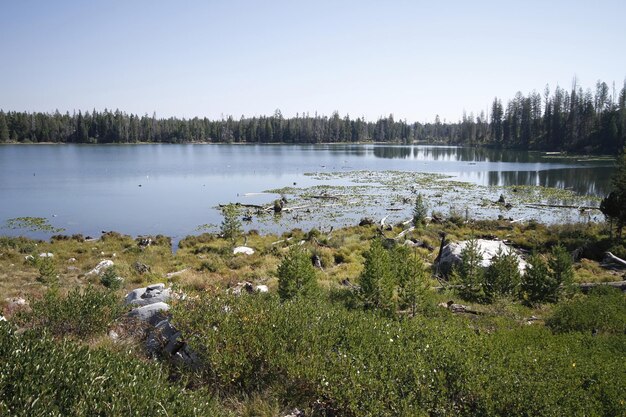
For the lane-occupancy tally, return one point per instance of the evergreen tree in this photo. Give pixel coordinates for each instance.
(4, 128)
(538, 285)
(470, 272)
(503, 276)
(561, 268)
(377, 282)
(296, 275)
(412, 278)
(231, 225)
(420, 210)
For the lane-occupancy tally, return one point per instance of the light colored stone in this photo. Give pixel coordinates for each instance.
(2, 318)
(72, 260)
(149, 295)
(451, 254)
(101, 267)
(244, 250)
(173, 274)
(262, 288)
(151, 313)
(46, 255)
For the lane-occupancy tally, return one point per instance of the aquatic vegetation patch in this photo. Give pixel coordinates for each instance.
(32, 224)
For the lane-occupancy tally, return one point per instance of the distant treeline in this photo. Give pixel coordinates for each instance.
(560, 121)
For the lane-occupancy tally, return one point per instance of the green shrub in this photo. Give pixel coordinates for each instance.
(538, 285)
(47, 271)
(412, 278)
(110, 279)
(502, 277)
(80, 313)
(41, 377)
(603, 311)
(470, 273)
(377, 280)
(231, 225)
(296, 275)
(420, 211)
(355, 362)
(561, 268)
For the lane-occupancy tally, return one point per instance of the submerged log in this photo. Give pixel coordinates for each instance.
(562, 206)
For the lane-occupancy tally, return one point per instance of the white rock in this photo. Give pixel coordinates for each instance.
(101, 267)
(262, 288)
(152, 313)
(2, 318)
(451, 253)
(72, 260)
(113, 335)
(173, 274)
(151, 294)
(46, 255)
(29, 257)
(243, 249)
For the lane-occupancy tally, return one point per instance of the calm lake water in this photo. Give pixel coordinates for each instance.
(172, 189)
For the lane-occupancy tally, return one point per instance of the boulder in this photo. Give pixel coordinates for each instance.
(101, 267)
(262, 288)
(140, 268)
(46, 255)
(151, 294)
(451, 254)
(151, 313)
(2, 318)
(243, 249)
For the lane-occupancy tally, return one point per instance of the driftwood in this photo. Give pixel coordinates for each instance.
(585, 287)
(610, 257)
(254, 206)
(563, 206)
(443, 243)
(404, 232)
(325, 197)
(394, 209)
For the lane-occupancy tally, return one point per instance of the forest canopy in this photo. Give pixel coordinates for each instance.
(559, 120)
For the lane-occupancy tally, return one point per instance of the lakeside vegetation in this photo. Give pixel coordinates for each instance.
(316, 344)
(576, 120)
(355, 321)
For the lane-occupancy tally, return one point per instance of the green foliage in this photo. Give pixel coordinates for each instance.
(502, 277)
(47, 271)
(42, 377)
(110, 279)
(538, 285)
(377, 281)
(296, 275)
(603, 311)
(420, 211)
(470, 272)
(561, 268)
(231, 225)
(613, 206)
(412, 278)
(353, 362)
(80, 313)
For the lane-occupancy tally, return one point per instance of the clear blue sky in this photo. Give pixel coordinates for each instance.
(191, 58)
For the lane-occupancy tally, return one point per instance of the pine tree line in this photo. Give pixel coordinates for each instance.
(560, 121)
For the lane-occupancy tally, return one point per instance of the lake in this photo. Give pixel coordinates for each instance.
(174, 189)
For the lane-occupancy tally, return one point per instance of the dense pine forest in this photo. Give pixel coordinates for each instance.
(561, 120)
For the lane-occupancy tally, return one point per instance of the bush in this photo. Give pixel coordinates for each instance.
(296, 275)
(538, 285)
(420, 211)
(80, 314)
(231, 225)
(377, 281)
(353, 362)
(502, 276)
(470, 272)
(47, 271)
(42, 377)
(561, 268)
(110, 279)
(602, 311)
(412, 278)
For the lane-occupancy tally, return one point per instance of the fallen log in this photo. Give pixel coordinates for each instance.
(587, 286)
(563, 206)
(608, 256)
(404, 232)
(325, 197)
